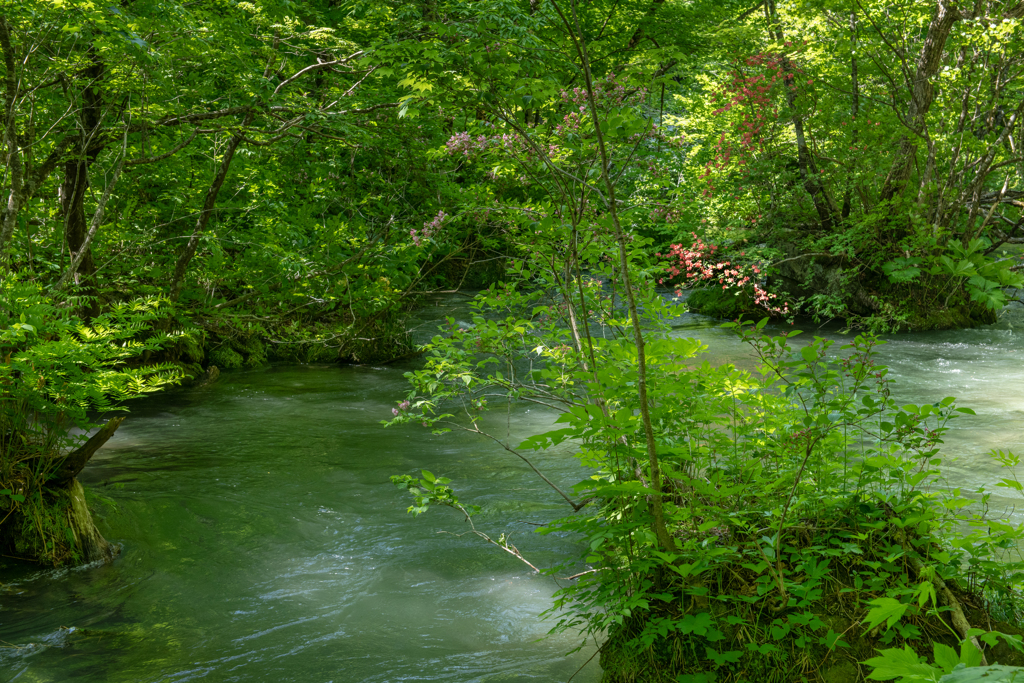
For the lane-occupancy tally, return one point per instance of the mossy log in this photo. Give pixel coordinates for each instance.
(89, 543)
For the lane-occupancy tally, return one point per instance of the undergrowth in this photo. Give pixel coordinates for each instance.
(811, 523)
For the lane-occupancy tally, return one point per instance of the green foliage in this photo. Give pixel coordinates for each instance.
(56, 368)
(751, 523)
(904, 665)
(990, 674)
(798, 134)
(430, 490)
(789, 489)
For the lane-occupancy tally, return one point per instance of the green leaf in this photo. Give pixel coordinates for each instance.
(987, 674)
(900, 663)
(969, 654)
(885, 610)
(946, 657)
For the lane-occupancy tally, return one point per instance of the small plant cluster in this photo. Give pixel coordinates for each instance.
(696, 266)
(608, 92)
(512, 143)
(466, 145)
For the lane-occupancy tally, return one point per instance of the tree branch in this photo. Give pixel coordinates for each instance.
(76, 460)
(315, 67)
(161, 157)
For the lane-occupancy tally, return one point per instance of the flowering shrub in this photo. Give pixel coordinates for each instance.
(753, 94)
(607, 92)
(696, 266)
(430, 228)
(464, 144)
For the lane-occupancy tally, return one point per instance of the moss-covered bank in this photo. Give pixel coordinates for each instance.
(730, 305)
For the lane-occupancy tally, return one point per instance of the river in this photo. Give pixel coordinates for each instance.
(263, 542)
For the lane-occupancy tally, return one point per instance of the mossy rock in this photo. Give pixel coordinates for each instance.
(252, 348)
(191, 348)
(719, 303)
(226, 358)
(956, 318)
(193, 373)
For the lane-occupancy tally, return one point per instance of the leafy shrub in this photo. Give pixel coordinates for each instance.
(809, 518)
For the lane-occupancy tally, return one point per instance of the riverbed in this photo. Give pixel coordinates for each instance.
(262, 540)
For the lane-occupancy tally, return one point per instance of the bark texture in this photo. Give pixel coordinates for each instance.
(922, 94)
(88, 539)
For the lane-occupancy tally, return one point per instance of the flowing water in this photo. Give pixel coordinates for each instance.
(263, 542)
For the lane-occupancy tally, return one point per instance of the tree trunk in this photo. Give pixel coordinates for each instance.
(823, 203)
(922, 94)
(72, 193)
(15, 197)
(181, 266)
(88, 540)
(854, 111)
(77, 460)
(76, 182)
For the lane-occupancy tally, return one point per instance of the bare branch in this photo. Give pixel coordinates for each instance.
(161, 157)
(316, 67)
(503, 541)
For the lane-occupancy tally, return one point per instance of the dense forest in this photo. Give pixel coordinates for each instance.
(195, 187)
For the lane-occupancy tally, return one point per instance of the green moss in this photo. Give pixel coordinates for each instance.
(193, 372)
(375, 339)
(316, 350)
(719, 303)
(950, 318)
(253, 349)
(40, 530)
(191, 347)
(225, 358)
